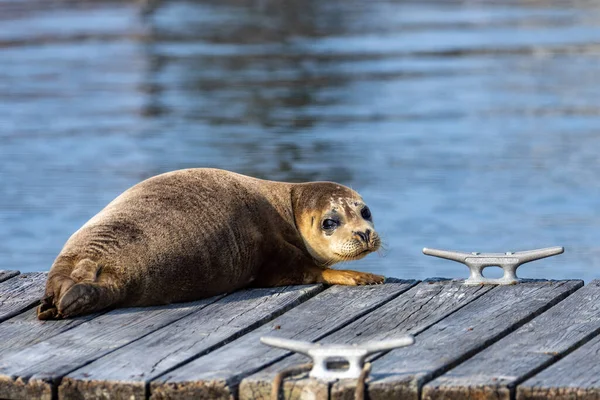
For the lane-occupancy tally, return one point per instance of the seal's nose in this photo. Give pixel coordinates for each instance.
(365, 236)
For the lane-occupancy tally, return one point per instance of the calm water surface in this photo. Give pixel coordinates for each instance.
(465, 125)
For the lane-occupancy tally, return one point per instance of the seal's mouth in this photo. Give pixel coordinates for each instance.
(356, 249)
(354, 255)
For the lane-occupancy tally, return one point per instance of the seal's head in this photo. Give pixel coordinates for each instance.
(335, 223)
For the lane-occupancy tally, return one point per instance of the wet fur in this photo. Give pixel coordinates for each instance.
(187, 235)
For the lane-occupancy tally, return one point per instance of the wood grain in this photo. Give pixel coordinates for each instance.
(34, 371)
(217, 374)
(25, 330)
(402, 373)
(534, 340)
(494, 372)
(7, 274)
(126, 371)
(411, 312)
(577, 376)
(20, 293)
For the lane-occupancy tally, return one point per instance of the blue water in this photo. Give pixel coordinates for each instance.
(469, 125)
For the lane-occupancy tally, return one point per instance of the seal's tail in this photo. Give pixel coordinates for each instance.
(75, 288)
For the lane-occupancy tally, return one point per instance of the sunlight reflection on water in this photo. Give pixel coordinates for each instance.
(465, 125)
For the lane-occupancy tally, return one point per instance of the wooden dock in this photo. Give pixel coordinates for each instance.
(533, 340)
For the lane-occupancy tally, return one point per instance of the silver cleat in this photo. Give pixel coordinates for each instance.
(325, 356)
(508, 261)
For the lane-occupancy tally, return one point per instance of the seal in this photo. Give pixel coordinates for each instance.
(195, 233)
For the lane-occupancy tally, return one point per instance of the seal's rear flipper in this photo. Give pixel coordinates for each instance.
(47, 310)
(84, 298)
(59, 282)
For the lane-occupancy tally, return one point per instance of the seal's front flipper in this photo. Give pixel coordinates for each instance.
(346, 277)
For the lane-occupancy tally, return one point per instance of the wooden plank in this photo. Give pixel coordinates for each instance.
(25, 330)
(412, 312)
(494, 372)
(35, 371)
(126, 372)
(7, 274)
(217, 374)
(20, 293)
(402, 372)
(577, 376)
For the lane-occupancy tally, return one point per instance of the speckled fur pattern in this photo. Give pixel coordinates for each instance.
(191, 234)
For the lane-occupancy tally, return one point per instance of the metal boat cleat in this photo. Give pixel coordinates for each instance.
(508, 261)
(327, 356)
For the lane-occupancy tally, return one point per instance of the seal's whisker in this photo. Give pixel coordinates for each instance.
(382, 252)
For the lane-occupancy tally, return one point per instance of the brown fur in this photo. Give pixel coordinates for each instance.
(195, 233)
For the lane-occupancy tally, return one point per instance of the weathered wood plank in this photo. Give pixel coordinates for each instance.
(126, 372)
(575, 377)
(412, 312)
(25, 330)
(217, 374)
(494, 372)
(7, 274)
(20, 293)
(401, 373)
(34, 371)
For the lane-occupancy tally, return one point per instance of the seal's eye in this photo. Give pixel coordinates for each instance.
(366, 213)
(329, 224)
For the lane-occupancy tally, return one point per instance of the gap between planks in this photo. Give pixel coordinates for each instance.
(376, 308)
(20, 293)
(7, 274)
(24, 329)
(36, 371)
(495, 372)
(128, 370)
(403, 372)
(576, 376)
(412, 312)
(217, 374)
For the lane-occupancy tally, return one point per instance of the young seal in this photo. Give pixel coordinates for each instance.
(195, 233)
